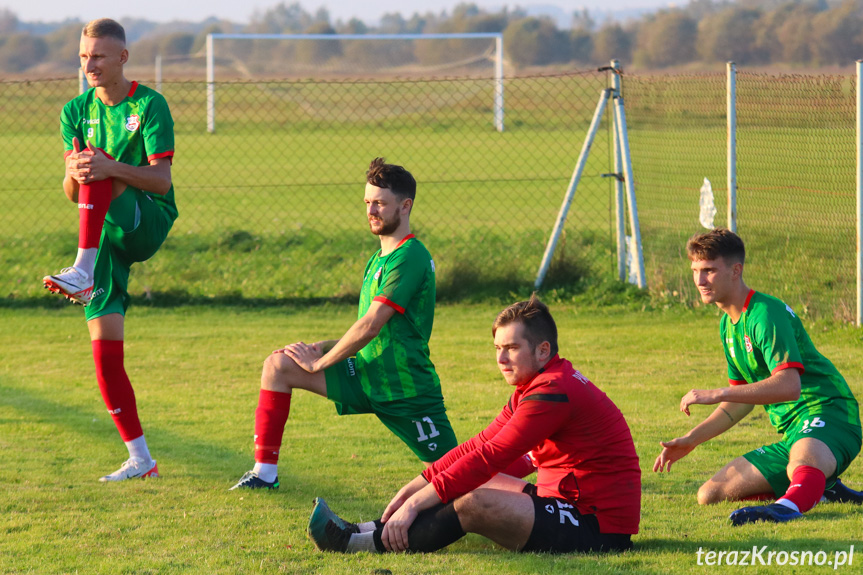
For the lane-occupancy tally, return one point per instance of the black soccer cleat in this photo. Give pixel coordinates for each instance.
(841, 493)
(250, 480)
(775, 512)
(328, 531)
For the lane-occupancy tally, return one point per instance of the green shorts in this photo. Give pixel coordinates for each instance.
(841, 437)
(134, 229)
(420, 422)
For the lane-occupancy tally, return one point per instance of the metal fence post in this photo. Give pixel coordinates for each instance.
(159, 73)
(498, 83)
(629, 179)
(211, 86)
(731, 113)
(859, 193)
(619, 209)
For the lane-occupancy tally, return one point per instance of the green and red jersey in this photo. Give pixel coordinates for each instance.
(396, 363)
(135, 131)
(769, 337)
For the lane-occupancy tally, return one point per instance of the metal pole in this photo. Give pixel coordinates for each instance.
(82, 81)
(211, 86)
(159, 73)
(498, 83)
(731, 113)
(570, 192)
(638, 256)
(859, 193)
(619, 210)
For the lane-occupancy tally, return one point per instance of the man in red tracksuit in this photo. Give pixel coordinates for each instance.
(588, 491)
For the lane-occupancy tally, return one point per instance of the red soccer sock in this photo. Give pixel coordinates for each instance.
(93, 202)
(116, 388)
(807, 487)
(270, 418)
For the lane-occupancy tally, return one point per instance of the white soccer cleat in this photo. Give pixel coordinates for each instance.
(134, 467)
(72, 284)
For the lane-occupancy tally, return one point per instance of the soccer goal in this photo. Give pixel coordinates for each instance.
(324, 54)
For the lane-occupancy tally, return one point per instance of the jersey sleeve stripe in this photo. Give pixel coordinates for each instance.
(392, 304)
(748, 299)
(553, 397)
(168, 154)
(736, 382)
(789, 365)
(406, 238)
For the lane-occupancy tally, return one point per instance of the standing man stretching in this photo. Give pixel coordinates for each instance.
(381, 365)
(771, 362)
(119, 142)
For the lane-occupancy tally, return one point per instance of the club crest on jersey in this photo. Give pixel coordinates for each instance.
(748, 344)
(378, 274)
(133, 122)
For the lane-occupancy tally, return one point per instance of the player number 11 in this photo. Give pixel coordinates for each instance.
(423, 436)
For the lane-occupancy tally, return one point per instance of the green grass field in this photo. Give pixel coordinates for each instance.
(196, 371)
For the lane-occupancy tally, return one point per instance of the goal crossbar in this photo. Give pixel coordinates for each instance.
(498, 60)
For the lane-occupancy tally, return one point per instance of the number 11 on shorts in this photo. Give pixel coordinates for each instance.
(422, 434)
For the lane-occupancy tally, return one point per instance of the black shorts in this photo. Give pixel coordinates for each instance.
(558, 527)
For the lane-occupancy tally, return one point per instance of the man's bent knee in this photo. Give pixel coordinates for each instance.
(277, 371)
(471, 509)
(710, 493)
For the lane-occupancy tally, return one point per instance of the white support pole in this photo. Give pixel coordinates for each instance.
(731, 114)
(570, 192)
(638, 256)
(498, 83)
(859, 193)
(619, 209)
(211, 86)
(159, 73)
(82, 82)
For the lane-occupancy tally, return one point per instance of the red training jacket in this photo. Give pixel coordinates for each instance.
(576, 437)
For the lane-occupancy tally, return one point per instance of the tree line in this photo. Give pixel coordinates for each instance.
(749, 32)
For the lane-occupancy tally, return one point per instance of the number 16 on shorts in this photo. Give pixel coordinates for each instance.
(808, 425)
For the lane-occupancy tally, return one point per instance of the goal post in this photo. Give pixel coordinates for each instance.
(497, 105)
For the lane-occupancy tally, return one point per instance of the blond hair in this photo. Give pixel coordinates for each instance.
(104, 28)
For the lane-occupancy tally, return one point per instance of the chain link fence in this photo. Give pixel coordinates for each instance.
(271, 204)
(795, 181)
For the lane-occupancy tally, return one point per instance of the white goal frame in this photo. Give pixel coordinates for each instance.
(497, 106)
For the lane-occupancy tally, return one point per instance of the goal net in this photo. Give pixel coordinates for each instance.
(256, 57)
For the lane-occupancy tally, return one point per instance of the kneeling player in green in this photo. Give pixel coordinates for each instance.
(381, 365)
(126, 208)
(771, 362)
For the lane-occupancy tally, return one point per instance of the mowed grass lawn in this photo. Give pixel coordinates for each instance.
(196, 370)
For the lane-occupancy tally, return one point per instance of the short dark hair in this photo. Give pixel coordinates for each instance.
(104, 28)
(538, 324)
(717, 243)
(393, 178)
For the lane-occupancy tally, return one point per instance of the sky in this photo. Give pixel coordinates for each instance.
(241, 11)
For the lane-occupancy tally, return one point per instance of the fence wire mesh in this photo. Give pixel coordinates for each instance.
(796, 173)
(271, 204)
(795, 181)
